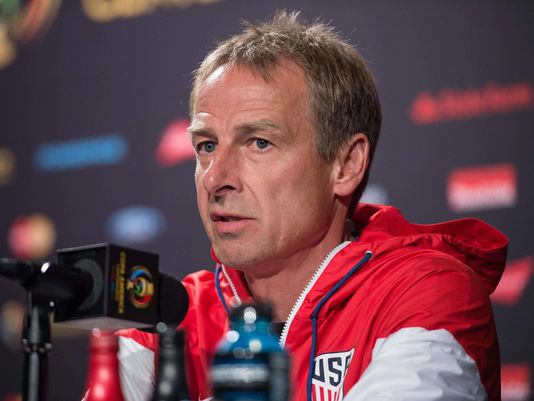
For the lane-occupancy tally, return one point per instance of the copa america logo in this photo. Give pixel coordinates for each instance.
(140, 287)
(22, 21)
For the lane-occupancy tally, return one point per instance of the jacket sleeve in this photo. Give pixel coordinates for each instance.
(419, 365)
(435, 337)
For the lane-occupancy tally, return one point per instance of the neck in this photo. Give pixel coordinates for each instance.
(291, 275)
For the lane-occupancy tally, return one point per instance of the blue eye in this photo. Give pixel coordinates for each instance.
(207, 146)
(262, 143)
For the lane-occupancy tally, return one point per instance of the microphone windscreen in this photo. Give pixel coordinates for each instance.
(173, 300)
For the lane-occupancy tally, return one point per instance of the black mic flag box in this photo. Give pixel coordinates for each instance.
(124, 292)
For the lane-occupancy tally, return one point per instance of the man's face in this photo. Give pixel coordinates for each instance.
(263, 192)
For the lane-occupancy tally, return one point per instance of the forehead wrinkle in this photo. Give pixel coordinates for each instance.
(255, 126)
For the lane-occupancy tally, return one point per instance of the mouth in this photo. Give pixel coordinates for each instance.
(215, 217)
(229, 224)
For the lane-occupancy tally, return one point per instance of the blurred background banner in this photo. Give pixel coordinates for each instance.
(93, 143)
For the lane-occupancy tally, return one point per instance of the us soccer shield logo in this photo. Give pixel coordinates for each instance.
(329, 375)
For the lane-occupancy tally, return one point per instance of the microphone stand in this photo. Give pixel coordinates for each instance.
(36, 337)
(36, 342)
(36, 345)
(44, 285)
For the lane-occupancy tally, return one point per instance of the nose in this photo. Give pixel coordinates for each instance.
(222, 173)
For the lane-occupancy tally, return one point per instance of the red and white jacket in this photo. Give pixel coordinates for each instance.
(401, 313)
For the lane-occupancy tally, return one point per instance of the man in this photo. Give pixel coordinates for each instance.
(284, 121)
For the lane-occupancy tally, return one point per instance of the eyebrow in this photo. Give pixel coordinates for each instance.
(242, 130)
(196, 130)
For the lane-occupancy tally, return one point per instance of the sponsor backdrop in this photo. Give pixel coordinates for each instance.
(93, 144)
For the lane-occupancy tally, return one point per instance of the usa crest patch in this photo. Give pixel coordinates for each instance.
(329, 375)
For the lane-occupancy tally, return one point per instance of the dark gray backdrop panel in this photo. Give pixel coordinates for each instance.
(131, 76)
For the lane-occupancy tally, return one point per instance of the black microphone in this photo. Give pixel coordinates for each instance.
(104, 286)
(173, 302)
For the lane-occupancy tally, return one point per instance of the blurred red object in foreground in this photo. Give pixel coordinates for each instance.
(103, 379)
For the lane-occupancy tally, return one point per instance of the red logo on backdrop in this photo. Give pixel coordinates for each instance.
(450, 104)
(514, 281)
(175, 146)
(515, 382)
(482, 188)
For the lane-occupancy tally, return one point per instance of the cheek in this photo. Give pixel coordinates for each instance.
(310, 185)
(302, 199)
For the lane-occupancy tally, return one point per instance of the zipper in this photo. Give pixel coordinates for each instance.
(328, 258)
(309, 382)
(232, 286)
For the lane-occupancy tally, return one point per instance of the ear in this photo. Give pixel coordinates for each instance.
(351, 165)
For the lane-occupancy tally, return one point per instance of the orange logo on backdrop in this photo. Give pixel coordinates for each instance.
(108, 10)
(450, 104)
(482, 188)
(11, 322)
(7, 165)
(13, 397)
(32, 237)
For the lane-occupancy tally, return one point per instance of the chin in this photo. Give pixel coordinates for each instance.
(229, 251)
(236, 263)
(237, 260)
